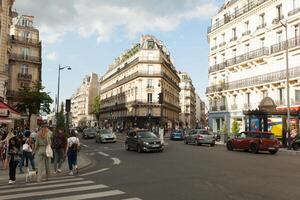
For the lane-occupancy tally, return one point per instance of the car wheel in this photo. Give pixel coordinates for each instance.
(229, 146)
(139, 149)
(295, 147)
(254, 148)
(273, 152)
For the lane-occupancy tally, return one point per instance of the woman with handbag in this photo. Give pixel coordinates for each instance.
(43, 152)
(14, 153)
(28, 149)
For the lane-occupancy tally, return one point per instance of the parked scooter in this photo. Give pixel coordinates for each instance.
(296, 143)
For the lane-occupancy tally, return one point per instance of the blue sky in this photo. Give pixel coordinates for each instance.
(89, 38)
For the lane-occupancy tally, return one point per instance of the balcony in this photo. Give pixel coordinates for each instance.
(150, 86)
(218, 67)
(24, 40)
(214, 48)
(294, 42)
(233, 39)
(261, 26)
(223, 107)
(293, 12)
(228, 18)
(246, 33)
(25, 58)
(214, 108)
(24, 77)
(222, 44)
(277, 19)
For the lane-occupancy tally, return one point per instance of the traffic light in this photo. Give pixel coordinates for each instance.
(149, 115)
(160, 98)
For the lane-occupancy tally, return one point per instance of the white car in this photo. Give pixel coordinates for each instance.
(105, 135)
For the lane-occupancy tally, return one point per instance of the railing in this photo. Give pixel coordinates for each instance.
(223, 107)
(150, 86)
(261, 26)
(24, 76)
(294, 11)
(239, 59)
(246, 33)
(282, 45)
(24, 40)
(23, 57)
(277, 19)
(228, 18)
(214, 48)
(233, 39)
(222, 44)
(256, 80)
(214, 108)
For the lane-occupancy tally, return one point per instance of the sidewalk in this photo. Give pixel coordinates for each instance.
(82, 161)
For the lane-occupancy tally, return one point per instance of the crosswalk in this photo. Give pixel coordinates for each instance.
(66, 188)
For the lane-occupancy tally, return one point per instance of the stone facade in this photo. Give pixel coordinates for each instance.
(130, 89)
(200, 112)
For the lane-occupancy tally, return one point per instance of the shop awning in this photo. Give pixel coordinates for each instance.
(8, 112)
(292, 108)
(5, 120)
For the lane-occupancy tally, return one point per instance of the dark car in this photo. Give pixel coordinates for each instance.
(177, 135)
(254, 142)
(89, 133)
(143, 140)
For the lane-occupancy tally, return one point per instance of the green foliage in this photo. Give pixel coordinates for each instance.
(225, 130)
(33, 100)
(235, 127)
(96, 107)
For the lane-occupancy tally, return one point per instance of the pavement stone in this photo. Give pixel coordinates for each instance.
(83, 162)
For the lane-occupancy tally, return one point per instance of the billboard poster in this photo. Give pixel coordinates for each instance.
(254, 124)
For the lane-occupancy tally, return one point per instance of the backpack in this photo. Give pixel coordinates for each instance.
(74, 145)
(57, 142)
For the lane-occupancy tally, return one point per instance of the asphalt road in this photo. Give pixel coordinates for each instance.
(182, 171)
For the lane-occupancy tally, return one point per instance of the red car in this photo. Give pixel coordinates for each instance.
(254, 142)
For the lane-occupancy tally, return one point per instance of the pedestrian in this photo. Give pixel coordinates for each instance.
(73, 146)
(21, 139)
(28, 150)
(14, 153)
(59, 143)
(42, 140)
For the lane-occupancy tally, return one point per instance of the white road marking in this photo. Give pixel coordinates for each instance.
(95, 172)
(50, 192)
(135, 198)
(117, 161)
(91, 195)
(103, 154)
(105, 147)
(85, 145)
(37, 187)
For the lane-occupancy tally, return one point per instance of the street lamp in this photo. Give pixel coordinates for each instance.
(58, 87)
(285, 25)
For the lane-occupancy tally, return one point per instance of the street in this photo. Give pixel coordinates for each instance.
(180, 172)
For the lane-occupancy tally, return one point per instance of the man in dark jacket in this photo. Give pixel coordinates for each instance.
(59, 142)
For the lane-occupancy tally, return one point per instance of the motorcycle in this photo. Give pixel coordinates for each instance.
(296, 143)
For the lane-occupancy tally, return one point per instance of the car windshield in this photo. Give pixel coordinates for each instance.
(91, 130)
(267, 136)
(204, 132)
(177, 131)
(104, 132)
(146, 135)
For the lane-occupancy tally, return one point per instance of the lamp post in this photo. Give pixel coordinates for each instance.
(285, 25)
(58, 87)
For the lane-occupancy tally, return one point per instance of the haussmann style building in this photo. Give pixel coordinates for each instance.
(247, 60)
(141, 88)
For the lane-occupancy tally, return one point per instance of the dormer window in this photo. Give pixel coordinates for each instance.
(150, 44)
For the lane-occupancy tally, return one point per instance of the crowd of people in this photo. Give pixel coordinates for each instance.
(35, 150)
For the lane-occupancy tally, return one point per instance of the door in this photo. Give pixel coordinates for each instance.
(239, 141)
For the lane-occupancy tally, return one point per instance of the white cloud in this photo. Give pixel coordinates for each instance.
(51, 56)
(102, 17)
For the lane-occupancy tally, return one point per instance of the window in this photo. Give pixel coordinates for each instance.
(150, 83)
(296, 28)
(223, 57)
(150, 56)
(150, 69)
(215, 41)
(279, 11)
(223, 37)
(24, 69)
(264, 93)
(246, 26)
(149, 100)
(295, 4)
(234, 99)
(25, 52)
(150, 44)
(262, 19)
(280, 94)
(248, 98)
(233, 53)
(262, 42)
(246, 48)
(297, 95)
(279, 37)
(234, 33)
(215, 60)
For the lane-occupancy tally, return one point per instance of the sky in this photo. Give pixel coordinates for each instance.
(89, 34)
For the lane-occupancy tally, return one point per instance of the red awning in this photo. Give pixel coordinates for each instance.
(283, 108)
(6, 110)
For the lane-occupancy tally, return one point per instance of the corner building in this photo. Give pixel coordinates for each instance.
(130, 89)
(247, 59)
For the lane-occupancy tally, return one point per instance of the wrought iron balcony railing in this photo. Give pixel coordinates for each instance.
(25, 58)
(277, 19)
(24, 40)
(294, 42)
(24, 76)
(246, 33)
(261, 26)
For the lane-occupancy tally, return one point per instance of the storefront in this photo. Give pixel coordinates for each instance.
(8, 115)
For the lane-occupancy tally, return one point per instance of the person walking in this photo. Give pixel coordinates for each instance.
(59, 143)
(28, 150)
(73, 146)
(42, 140)
(14, 153)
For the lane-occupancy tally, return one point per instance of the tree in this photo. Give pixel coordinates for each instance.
(96, 107)
(33, 100)
(235, 127)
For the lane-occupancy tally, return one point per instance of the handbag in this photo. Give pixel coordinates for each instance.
(49, 152)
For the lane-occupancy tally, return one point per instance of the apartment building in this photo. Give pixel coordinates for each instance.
(82, 101)
(25, 58)
(201, 118)
(247, 60)
(141, 87)
(6, 15)
(187, 101)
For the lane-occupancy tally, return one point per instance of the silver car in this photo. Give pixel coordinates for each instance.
(199, 137)
(105, 135)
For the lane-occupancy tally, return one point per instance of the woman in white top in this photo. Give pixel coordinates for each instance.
(72, 150)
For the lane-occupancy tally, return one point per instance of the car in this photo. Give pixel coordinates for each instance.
(89, 133)
(177, 135)
(143, 140)
(254, 142)
(199, 137)
(105, 135)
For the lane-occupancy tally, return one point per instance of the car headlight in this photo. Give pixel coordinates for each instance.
(146, 143)
(114, 135)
